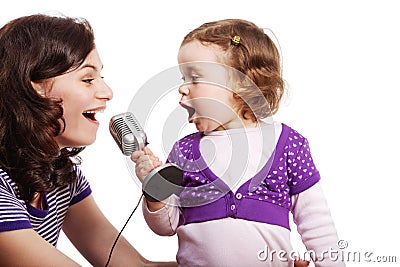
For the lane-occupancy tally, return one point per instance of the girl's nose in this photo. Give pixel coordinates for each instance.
(184, 89)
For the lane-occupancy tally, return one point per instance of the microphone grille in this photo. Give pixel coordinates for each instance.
(127, 133)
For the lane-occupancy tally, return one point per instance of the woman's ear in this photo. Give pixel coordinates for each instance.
(39, 88)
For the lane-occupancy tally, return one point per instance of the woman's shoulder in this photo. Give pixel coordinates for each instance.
(9, 193)
(80, 177)
(3, 174)
(6, 183)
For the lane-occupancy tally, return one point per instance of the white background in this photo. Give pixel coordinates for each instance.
(341, 63)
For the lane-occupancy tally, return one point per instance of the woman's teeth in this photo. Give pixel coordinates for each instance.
(92, 114)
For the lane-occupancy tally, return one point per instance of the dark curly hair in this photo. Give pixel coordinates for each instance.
(33, 49)
(256, 58)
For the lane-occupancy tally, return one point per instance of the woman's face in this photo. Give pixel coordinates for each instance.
(84, 93)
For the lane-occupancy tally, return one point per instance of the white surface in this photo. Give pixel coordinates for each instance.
(341, 63)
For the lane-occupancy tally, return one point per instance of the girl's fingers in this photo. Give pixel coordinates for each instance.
(145, 162)
(155, 160)
(300, 263)
(136, 155)
(148, 151)
(151, 161)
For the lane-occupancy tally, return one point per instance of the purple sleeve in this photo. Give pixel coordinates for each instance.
(80, 189)
(302, 173)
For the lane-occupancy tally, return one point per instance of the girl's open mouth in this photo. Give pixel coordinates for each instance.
(191, 111)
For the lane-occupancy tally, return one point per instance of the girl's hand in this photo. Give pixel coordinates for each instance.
(300, 263)
(145, 162)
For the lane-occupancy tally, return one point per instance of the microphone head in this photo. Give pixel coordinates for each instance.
(127, 133)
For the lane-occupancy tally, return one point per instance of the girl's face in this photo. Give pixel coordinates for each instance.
(205, 91)
(84, 93)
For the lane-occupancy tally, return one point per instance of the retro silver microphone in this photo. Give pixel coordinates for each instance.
(127, 133)
(161, 182)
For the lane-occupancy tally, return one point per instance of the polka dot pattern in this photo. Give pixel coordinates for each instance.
(291, 170)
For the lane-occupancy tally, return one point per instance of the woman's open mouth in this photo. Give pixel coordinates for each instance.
(91, 114)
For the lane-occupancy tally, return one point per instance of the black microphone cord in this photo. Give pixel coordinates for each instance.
(120, 232)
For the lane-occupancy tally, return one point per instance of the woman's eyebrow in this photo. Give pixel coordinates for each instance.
(87, 65)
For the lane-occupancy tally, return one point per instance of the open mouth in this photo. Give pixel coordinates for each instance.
(189, 109)
(91, 114)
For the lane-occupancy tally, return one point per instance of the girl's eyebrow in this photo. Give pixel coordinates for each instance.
(191, 69)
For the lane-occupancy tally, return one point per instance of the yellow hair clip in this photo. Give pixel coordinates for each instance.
(235, 40)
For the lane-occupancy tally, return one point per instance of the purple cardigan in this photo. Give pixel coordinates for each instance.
(266, 197)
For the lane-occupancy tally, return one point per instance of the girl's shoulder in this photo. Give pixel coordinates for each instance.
(190, 138)
(290, 133)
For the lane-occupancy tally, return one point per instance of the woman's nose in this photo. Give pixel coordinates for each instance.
(104, 91)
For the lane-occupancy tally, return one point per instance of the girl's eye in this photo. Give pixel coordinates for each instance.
(192, 78)
(87, 81)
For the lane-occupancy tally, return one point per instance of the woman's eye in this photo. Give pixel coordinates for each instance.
(87, 81)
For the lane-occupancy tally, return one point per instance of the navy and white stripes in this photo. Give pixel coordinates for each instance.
(16, 214)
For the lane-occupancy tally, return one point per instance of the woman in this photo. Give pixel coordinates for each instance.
(50, 91)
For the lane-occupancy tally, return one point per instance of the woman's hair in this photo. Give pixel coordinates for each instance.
(254, 55)
(33, 49)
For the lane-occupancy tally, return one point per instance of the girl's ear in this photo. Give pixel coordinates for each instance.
(39, 88)
(235, 95)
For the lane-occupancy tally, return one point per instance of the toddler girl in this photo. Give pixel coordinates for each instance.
(242, 172)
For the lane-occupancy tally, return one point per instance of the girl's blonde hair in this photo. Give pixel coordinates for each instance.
(255, 55)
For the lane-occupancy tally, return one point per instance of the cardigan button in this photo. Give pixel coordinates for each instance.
(239, 196)
(233, 207)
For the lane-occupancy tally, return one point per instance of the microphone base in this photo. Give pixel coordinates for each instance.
(162, 182)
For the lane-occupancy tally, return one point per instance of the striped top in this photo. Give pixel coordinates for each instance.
(16, 214)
